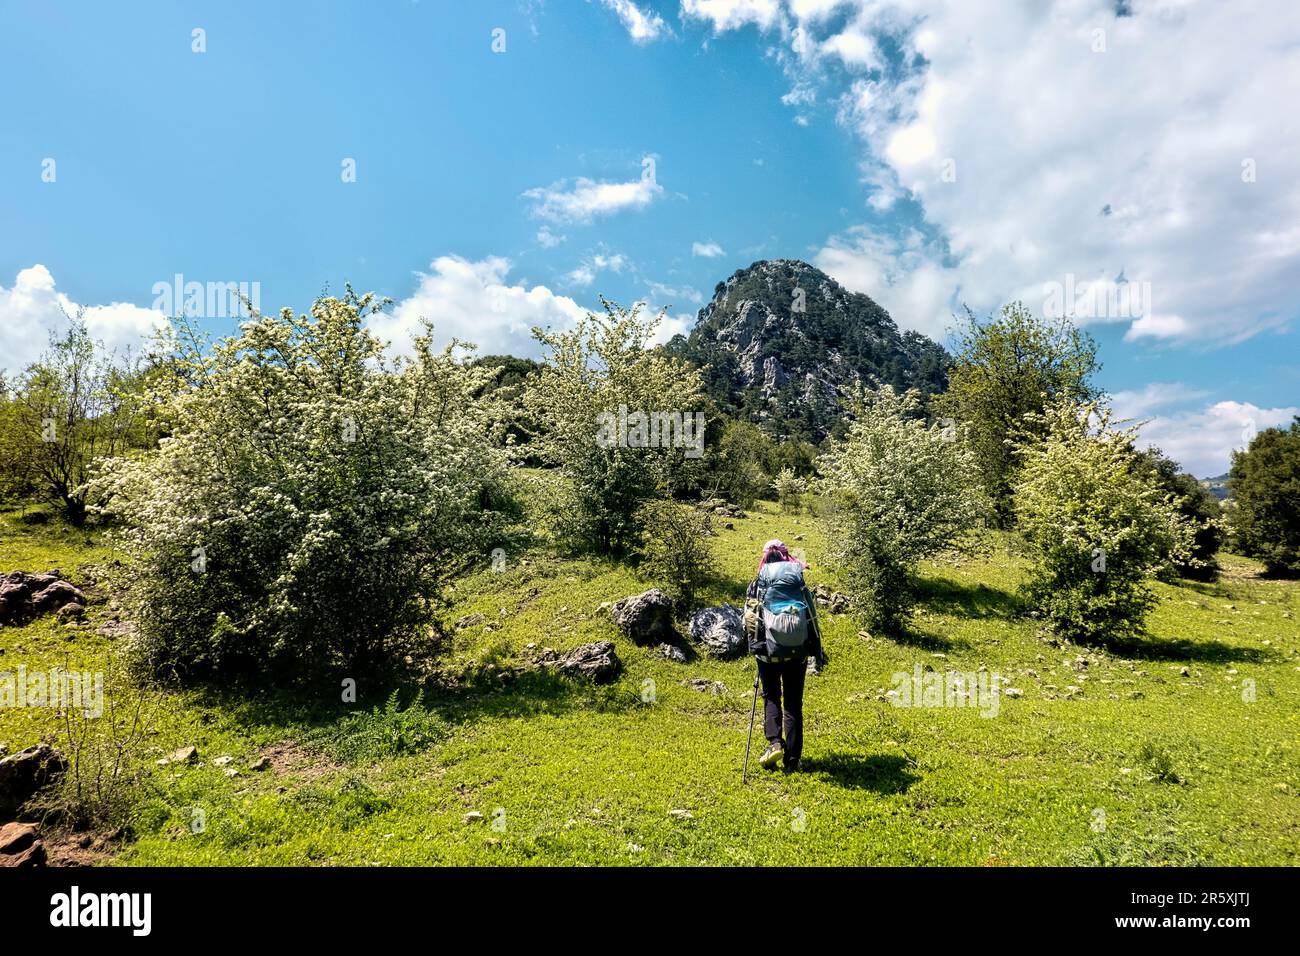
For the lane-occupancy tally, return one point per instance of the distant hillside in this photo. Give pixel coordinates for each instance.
(1218, 486)
(782, 343)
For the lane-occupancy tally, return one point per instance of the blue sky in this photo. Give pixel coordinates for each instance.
(930, 157)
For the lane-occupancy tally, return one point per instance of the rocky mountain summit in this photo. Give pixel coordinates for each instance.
(782, 343)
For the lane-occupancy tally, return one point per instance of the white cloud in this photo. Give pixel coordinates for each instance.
(1199, 437)
(1203, 440)
(900, 274)
(911, 145)
(853, 49)
(1139, 403)
(1157, 326)
(548, 239)
(473, 301)
(680, 324)
(642, 26)
(585, 273)
(709, 250)
(582, 199)
(582, 275)
(33, 308)
(675, 295)
(730, 14)
(670, 325)
(1133, 161)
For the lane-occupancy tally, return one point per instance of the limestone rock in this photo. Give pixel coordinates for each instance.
(596, 662)
(646, 618)
(25, 773)
(720, 631)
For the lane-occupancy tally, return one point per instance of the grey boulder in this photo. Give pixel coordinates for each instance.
(596, 662)
(647, 619)
(719, 630)
(24, 774)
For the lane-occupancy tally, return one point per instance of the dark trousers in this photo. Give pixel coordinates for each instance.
(787, 676)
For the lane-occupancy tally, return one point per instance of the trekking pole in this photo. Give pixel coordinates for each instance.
(753, 709)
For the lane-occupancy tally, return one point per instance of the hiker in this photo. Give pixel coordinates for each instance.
(781, 625)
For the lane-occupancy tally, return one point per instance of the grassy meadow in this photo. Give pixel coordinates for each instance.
(1183, 748)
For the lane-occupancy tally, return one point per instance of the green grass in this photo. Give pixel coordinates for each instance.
(1143, 766)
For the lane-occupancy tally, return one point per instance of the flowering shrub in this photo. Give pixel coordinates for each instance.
(901, 490)
(1097, 524)
(596, 378)
(790, 489)
(309, 499)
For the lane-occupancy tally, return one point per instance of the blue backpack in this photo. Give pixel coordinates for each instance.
(785, 626)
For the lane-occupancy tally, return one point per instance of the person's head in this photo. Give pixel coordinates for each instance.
(775, 550)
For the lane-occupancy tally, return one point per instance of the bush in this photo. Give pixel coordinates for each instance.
(107, 756)
(382, 733)
(901, 490)
(1265, 486)
(1198, 505)
(598, 378)
(1097, 525)
(790, 490)
(308, 502)
(675, 548)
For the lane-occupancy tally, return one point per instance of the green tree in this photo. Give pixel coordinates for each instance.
(789, 452)
(1097, 523)
(506, 388)
(619, 424)
(1265, 486)
(76, 404)
(902, 489)
(735, 469)
(1198, 505)
(17, 449)
(1008, 368)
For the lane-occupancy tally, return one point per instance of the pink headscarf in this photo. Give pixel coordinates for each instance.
(776, 549)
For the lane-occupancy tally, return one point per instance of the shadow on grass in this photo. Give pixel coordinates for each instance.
(304, 713)
(720, 588)
(1162, 649)
(909, 636)
(879, 773)
(1209, 589)
(973, 601)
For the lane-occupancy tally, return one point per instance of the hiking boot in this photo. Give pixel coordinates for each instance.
(792, 766)
(772, 756)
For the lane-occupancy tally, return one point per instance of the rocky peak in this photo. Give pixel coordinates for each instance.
(783, 343)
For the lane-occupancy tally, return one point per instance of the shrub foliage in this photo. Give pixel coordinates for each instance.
(1097, 523)
(1265, 484)
(902, 489)
(675, 548)
(309, 499)
(603, 367)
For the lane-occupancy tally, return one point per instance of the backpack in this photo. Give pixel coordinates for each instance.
(785, 629)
